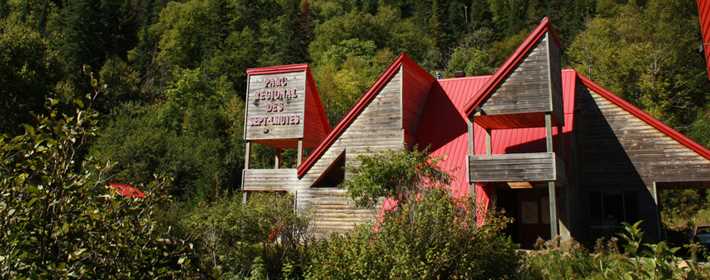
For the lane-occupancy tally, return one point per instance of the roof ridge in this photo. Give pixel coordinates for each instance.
(645, 117)
(509, 65)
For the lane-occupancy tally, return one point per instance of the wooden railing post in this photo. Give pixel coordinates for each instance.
(551, 184)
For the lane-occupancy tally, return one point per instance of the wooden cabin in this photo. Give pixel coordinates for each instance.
(561, 154)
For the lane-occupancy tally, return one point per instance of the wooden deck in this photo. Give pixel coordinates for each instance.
(527, 167)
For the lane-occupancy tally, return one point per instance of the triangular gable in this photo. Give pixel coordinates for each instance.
(358, 108)
(645, 117)
(511, 64)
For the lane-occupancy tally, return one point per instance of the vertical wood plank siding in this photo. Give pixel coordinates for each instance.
(527, 89)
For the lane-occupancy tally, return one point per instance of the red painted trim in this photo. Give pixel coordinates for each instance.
(513, 61)
(353, 113)
(277, 69)
(682, 139)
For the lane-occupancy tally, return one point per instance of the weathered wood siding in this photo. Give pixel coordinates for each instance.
(257, 108)
(331, 210)
(617, 148)
(527, 167)
(527, 89)
(377, 128)
(270, 180)
(618, 152)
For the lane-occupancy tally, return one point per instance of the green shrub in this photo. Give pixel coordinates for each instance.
(636, 261)
(235, 240)
(396, 174)
(433, 237)
(59, 220)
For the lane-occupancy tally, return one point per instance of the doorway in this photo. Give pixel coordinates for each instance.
(530, 211)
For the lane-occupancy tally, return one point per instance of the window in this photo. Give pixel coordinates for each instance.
(610, 208)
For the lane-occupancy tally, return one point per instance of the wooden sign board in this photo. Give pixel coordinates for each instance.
(275, 106)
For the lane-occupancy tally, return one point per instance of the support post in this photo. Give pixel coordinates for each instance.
(471, 152)
(471, 147)
(299, 153)
(277, 159)
(551, 185)
(488, 143)
(247, 154)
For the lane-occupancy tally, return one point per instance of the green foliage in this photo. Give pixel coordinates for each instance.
(61, 221)
(399, 174)
(254, 239)
(195, 135)
(434, 238)
(28, 71)
(648, 55)
(637, 261)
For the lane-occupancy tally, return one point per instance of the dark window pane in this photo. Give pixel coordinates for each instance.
(631, 202)
(613, 208)
(595, 211)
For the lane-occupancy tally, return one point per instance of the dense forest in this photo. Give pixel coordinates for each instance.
(172, 73)
(166, 79)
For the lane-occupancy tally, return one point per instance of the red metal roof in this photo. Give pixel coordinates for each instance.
(511, 63)
(365, 100)
(704, 17)
(127, 190)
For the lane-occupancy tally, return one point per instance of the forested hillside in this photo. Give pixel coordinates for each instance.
(172, 73)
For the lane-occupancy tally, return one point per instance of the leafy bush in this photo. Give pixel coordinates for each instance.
(396, 174)
(236, 240)
(432, 238)
(59, 220)
(637, 260)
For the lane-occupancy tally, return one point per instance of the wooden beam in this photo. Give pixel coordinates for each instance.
(548, 132)
(277, 159)
(247, 154)
(299, 153)
(551, 185)
(488, 143)
(553, 209)
(471, 147)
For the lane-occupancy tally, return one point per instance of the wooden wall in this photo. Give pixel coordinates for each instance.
(284, 179)
(377, 128)
(619, 152)
(527, 89)
(523, 167)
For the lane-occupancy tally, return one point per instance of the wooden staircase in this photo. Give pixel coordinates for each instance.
(332, 211)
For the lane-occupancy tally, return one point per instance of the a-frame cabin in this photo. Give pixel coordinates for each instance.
(562, 155)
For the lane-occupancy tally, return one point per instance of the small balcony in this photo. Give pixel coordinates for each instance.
(523, 167)
(280, 179)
